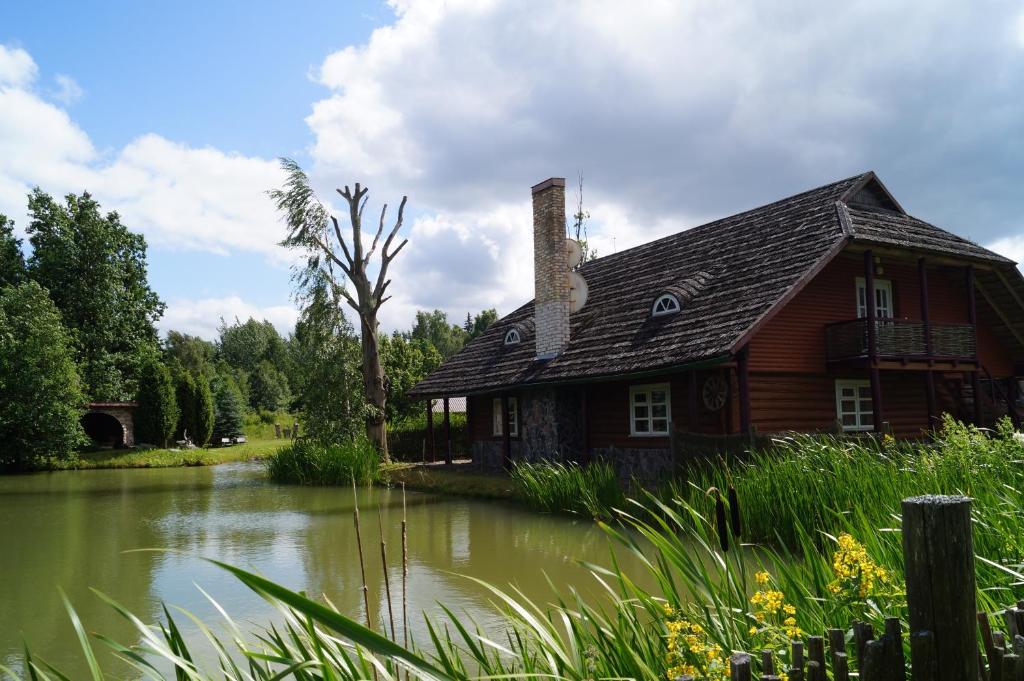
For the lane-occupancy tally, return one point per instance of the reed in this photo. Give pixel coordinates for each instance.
(551, 486)
(307, 462)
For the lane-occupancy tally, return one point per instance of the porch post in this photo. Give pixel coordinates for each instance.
(743, 379)
(869, 307)
(506, 435)
(929, 393)
(430, 427)
(585, 415)
(1011, 400)
(447, 434)
(929, 378)
(972, 319)
(691, 406)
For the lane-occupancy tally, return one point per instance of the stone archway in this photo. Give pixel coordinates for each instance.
(110, 423)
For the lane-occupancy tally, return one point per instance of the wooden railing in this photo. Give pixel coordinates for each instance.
(899, 339)
(944, 627)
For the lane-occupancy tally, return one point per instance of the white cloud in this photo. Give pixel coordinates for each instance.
(202, 317)
(178, 196)
(676, 113)
(68, 90)
(17, 67)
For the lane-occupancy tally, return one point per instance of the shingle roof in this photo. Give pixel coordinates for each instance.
(731, 271)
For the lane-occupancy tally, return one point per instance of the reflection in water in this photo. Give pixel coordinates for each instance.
(72, 529)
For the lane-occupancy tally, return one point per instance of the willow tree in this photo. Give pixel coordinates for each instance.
(340, 258)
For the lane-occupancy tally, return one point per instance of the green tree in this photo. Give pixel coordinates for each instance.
(227, 404)
(244, 345)
(95, 271)
(156, 417)
(194, 354)
(41, 397)
(406, 362)
(328, 368)
(12, 262)
(185, 396)
(204, 412)
(481, 322)
(435, 328)
(268, 388)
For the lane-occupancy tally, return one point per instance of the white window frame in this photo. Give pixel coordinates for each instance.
(512, 337)
(645, 392)
(883, 286)
(671, 305)
(497, 422)
(859, 411)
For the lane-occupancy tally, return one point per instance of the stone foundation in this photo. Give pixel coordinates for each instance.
(645, 465)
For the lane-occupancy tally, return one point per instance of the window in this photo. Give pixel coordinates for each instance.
(513, 418)
(883, 299)
(649, 410)
(512, 337)
(665, 304)
(853, 405)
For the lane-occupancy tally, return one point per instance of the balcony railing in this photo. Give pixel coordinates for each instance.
(899, 339)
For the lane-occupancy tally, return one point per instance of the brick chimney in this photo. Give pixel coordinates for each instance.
(550, 271)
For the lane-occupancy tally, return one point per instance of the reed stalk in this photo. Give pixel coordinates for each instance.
(405, 573)
(362, 563)
(384, 564)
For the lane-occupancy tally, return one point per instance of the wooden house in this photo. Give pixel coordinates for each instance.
(831, 310)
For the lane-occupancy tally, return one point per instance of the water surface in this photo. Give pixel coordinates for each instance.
(77, 529)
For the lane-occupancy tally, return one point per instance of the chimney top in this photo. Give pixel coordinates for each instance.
(550, 182)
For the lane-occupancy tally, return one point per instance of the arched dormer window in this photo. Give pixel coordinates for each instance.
(665, 304)
(512, 337)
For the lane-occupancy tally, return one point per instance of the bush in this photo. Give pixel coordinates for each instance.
(156, 417)
(592, 490)
(184, 394)
(310, 463)
(40, 391)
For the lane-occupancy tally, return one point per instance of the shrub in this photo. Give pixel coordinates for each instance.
(592, 490)
(310, 463)
(184, 394)
(40, 391)
(156, 417)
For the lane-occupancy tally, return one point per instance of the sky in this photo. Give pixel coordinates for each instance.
(674, 113)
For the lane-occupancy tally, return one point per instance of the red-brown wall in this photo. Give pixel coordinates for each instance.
(792, 386)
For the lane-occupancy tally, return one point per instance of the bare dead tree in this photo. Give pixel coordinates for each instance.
(337, 260)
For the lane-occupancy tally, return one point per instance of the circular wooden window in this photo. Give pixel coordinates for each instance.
(715, 392)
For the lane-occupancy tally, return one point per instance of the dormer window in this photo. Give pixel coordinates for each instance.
(665, 304)
(512, 337)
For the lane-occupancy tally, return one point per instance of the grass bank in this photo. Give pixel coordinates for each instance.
(168, 458)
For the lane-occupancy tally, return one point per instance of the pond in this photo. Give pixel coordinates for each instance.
(76, 530)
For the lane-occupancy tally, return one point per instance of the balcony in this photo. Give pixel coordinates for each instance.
(899, 339)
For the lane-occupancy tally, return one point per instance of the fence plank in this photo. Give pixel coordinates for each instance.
(739, 667)
(815, 672)
(796, 658)
(767, 663)
(938, 555)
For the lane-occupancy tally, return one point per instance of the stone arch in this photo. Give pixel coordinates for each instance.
(110, 423)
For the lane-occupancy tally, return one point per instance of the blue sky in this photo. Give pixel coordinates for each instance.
(676, 113)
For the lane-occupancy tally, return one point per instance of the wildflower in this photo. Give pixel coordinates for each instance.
(762, 577)
(856, 574)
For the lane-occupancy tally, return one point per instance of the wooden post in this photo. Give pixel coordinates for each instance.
(585, 416)
(872, 323)
(938, 555)
(972, 319)
(691, 406)
(430, 429)
(922, 275)
(506, 433)
(470, 414)
(976, 389)
(277, 430)
(739, 667)
(743, 381)
(1011, 400)
(447, 435)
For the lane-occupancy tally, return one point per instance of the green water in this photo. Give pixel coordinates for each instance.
(77, 529)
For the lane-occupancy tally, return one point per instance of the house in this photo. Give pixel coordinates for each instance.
(755, 323)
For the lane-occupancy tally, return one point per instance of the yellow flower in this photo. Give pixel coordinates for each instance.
(753, 630)
(762, 577)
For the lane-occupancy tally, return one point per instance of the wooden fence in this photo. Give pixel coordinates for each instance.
(938, 555)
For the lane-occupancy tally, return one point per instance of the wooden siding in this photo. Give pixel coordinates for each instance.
(608, 411)
(793, 341)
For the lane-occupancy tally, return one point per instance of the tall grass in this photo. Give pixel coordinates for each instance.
(306, 462)
(552, 486)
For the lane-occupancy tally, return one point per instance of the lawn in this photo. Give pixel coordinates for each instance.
(166, 458)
